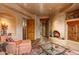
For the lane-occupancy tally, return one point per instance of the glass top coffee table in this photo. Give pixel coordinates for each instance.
(49, 50)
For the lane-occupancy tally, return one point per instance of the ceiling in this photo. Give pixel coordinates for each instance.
(41, 9)
(47, 9)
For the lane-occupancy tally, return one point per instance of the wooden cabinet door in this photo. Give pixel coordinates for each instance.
(30, 29)
(73, 31)
(77, 32)
(72, 34)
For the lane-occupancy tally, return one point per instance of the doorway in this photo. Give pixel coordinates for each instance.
(45, 27)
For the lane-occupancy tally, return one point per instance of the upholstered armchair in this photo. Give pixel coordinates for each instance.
(11, 48)
(19, 47)
(25, 47)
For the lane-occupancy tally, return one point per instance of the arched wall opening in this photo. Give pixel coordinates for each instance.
(10, 21)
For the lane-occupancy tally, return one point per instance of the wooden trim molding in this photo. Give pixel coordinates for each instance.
(76, 19)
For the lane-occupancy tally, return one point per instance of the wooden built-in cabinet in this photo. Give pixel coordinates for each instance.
(73, 30)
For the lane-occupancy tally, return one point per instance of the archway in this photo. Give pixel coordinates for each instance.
(9, 21)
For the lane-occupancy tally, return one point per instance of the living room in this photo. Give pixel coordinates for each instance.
(31, 31)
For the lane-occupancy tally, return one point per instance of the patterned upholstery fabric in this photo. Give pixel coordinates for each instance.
(20, 48)
(25, 47)
(11, 48)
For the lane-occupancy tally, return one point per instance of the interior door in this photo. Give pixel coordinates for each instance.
(72, 31)
(31, 29)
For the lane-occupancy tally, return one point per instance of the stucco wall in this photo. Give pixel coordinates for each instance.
(59, 25)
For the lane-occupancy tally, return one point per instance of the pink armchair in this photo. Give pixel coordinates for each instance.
(11, 48)
(19, 47)
(25, 47)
